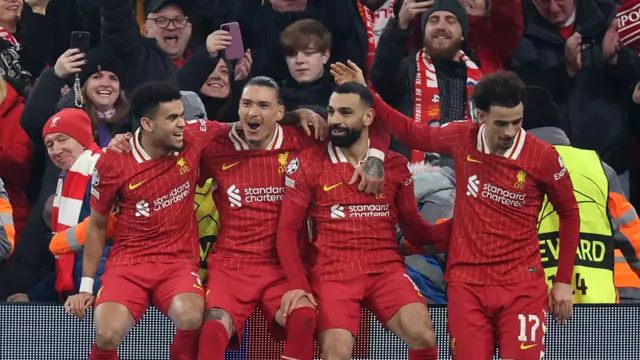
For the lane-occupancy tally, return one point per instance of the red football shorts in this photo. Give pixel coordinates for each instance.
(513, 316)
(340, 300)
(137, 286)
(240, 291)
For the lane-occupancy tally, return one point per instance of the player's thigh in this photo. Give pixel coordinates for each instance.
(235, 292)
(398, 304)
(336, 344)
(470, 326)
(179, 294)
(128, 286)
(339, 304)
(523, 321)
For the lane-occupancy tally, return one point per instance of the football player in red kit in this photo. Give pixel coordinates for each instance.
(154, 256)
(357, 261)
(497, 291)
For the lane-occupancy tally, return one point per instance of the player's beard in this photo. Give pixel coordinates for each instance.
(348, 137)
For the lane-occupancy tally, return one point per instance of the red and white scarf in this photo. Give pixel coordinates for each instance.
(4, 34)
(67, 205)
(426, 99)
(373, 23)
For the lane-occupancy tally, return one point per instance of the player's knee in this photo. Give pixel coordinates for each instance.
(109, 337)
(186, 312)
(221, 316)
(419, 335)
(188, 320)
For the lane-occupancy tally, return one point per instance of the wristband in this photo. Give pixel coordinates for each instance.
(86, 285)
(376, 154)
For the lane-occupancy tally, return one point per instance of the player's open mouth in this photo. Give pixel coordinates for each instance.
(253, 125)
(178, 136)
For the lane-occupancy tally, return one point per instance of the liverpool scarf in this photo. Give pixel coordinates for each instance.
(426, 99)
(67, 205)
(369, 19)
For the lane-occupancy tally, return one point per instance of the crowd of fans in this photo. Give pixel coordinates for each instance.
(578, 58)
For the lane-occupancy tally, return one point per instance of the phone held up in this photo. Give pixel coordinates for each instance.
(235, 51)
(80, 40)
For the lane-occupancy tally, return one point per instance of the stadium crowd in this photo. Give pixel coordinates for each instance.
(69, 69)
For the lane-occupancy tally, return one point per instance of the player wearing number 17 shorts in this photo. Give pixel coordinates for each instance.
(497, 291)
(154, 256)
(357, 262)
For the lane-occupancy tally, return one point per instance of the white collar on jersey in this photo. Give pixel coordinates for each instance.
(337, 156)
(239, 144)
(139, 153)
(514, 150)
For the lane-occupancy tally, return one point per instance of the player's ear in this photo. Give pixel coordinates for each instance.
(145, 123)
(281, 112)
(369, 115)
(482, 115)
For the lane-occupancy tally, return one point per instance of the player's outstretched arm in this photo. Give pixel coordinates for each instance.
(415, 229)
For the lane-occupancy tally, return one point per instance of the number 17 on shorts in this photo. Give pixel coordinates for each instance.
(532, 328)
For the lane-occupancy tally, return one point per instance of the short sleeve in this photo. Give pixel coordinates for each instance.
(105, 184)
(206, 130)
(298, 186)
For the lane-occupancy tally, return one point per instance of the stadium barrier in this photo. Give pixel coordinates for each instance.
(45, 332)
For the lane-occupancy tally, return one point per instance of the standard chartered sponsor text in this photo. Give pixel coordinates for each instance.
(503, 196)
(264, 194)
(369, 210)
(175, 196)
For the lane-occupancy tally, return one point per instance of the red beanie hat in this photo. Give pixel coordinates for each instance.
(629, 23)
(74, 123)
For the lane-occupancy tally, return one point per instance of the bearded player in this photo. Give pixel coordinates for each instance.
(357, 262)
(497, 291)
(244, 270)
(154, 257)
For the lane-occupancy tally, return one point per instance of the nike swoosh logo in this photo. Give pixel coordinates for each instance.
(227, 167)
(327, 188)
(469, 159)
(135, 186)
(525, 347)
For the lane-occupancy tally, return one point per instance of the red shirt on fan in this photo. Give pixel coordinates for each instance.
(153, 198)
(250, 189)
(498, 199)
(353, 231)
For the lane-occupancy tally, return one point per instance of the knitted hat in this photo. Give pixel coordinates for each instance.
(74, 123)
(102, 59)
(156, 5)
(193, 106)
(540, 110)
(629, 23)
(452, 6)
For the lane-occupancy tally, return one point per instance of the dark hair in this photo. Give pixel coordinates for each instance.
(147, 97)
(305, 34)
(502, 88)
(265, 81)
(354, 88)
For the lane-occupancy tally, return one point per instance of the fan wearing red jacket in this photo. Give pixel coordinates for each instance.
(497, 291)
(356, 259)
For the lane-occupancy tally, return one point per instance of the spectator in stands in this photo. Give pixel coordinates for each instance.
(219, 90)
(15, 154)
(495, 28)
(307, 47)
(68, 137)
(162, 49)
(434, 83)
(7, 230)
(571, 48)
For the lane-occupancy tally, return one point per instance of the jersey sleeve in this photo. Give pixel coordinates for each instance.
(206, 130)
(298, 180)
(105, 184)
(416, 136)
(557, 184)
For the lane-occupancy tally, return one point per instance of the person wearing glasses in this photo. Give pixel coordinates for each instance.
(155, 54)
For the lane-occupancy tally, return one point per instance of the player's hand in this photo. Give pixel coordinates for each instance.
(290, 300)
(78, 304)
(347, 73)
(120, 143)
(371, 175)
(19, 297)
(309, 118)
(561, 301)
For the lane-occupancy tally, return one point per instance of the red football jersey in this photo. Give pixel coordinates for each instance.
(353, 231)
(153, 199)
(249, 191)
(498, 199)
